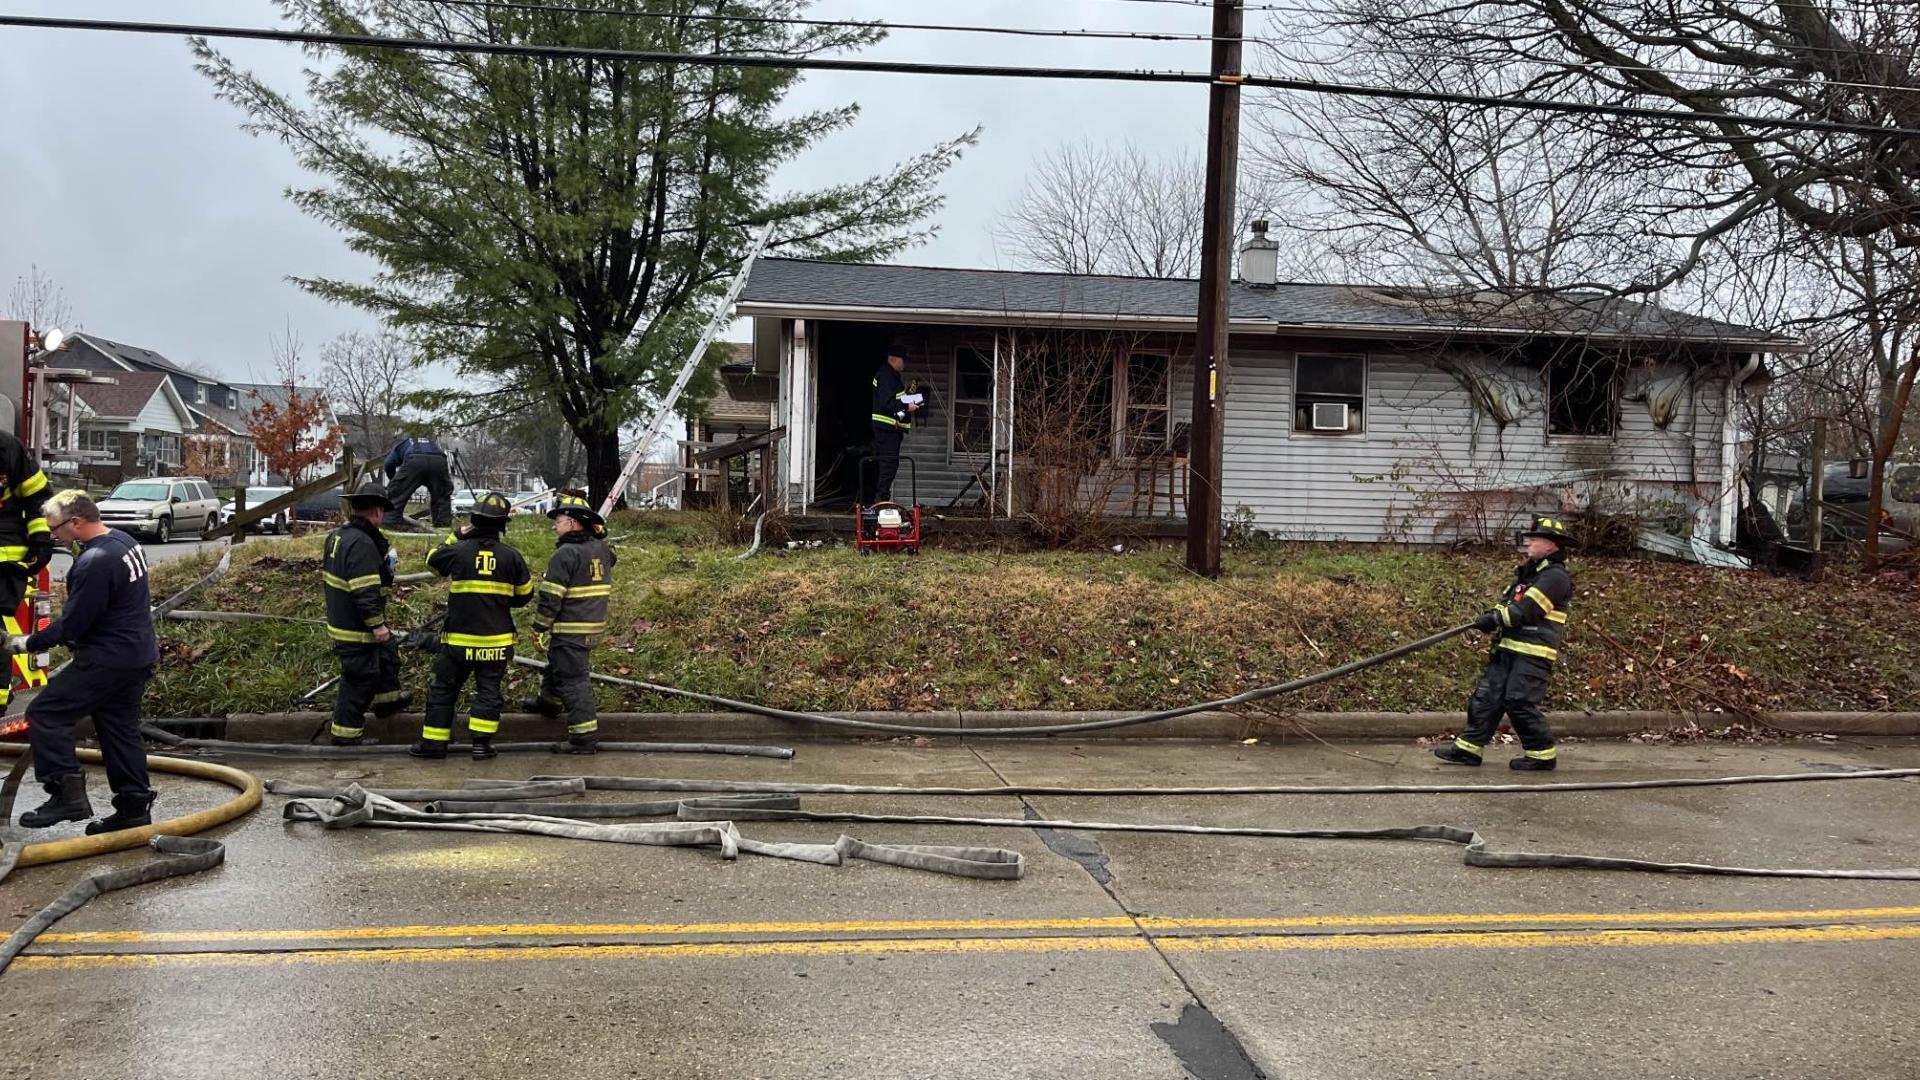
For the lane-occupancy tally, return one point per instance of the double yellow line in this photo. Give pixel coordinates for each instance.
(952, 937)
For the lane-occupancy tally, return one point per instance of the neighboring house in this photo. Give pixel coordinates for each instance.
(218, 421)
(133, 427)
(1351, 412)
(368, 437)
(743, 406)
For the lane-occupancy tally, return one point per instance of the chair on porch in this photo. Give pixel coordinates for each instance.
(1164, 470)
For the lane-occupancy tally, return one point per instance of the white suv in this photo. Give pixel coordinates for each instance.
(157, 507)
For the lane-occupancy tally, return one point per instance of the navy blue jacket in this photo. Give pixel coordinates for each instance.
(406, 448)
(108, 620)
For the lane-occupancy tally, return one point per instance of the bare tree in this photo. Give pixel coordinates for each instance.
(1088, 209)
(41, 303)
(368, 376)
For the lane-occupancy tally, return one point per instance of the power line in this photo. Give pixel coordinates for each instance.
(1131, 35)
(639, 56)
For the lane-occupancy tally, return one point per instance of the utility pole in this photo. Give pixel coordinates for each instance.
(1216, 273)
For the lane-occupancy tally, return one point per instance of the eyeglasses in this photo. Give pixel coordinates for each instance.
(56, 526)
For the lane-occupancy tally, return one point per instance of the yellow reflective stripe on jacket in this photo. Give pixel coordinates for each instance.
(1540, 598)
(1557, 616)
(1506, 615)
(588, 590)
(490, 588)
(525, 588)
(478, 641)
(36, 526)
(13, 554)
(579, 627)
(883, 418)
(32, 484)
(1528, 648)
(553, 588)
(338, 634)
(364, 581)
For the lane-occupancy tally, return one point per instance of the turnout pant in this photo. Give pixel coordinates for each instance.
(566, 684)
(112, 697)
(886, 460)
(450, 671)
(14, 590)
(1512, 686)
(428, 471)
(369, 679)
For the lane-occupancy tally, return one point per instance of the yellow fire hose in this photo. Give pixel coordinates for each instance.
(80, 847)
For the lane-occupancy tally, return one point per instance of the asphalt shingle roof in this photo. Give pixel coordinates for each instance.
(121, 399)
(805, 282)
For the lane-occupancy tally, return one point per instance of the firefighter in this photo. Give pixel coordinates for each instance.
(26, 545)
(1527, 627)
(570, 613)
(108, 623)
(357, 572)
(892, 419)
(415, 462)
(487, 579)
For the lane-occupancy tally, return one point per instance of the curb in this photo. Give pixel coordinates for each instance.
(736, 727)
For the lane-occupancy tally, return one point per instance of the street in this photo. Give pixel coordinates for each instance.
(156, 553)
(428, 954)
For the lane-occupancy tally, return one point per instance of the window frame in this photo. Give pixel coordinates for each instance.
(1124, 405)
(955, 401)
(1617, 392)
(1294, 431)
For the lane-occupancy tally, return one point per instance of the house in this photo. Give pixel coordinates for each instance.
(742, 407)
(251, 396)
(1351, 412)
(132, 427)
(219, 424)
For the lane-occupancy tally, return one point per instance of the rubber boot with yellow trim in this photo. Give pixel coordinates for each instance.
(1536, 761)
(1458, 752)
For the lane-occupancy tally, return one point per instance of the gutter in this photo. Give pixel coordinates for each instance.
(1730, 452)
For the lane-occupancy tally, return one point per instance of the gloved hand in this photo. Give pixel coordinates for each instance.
(16, 643)
(1487, 623)
(382, 634)
(540, 639)
(39, 553)
(393, 559)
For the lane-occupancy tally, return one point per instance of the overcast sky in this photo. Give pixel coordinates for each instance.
(168, 226)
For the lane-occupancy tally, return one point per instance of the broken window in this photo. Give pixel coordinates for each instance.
(1329, 394)
(1583, 393)
(1144, 427)
(972, 402)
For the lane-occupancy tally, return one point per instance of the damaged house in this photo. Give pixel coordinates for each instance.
(1352, 412)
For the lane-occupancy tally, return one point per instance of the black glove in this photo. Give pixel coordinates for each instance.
(1487, 622)
(39, 554)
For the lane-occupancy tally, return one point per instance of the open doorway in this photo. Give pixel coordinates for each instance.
(849, 354)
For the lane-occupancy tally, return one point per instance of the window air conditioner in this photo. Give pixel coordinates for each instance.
(1329, 416)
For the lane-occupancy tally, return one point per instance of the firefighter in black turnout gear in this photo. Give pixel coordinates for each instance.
(1527, 627)
(892, 419)
(570, 612)
(487, 579)
(25, 547)
(357, 572)
(416, 462)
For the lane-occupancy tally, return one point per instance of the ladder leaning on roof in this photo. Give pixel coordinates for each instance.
(721, 315)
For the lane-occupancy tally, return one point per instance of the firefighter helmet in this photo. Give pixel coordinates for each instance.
(369, 494)
(576, 508)
(491, 506)
(1549, 528)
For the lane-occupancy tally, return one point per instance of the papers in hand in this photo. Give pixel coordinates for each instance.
(912, 399)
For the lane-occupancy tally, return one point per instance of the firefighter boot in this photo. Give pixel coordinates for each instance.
(434, 749)
(543, 706)
(131, 810)
(483, 748)
(1533, 764)
(69, 803)
(1455, 755)
(588, 743)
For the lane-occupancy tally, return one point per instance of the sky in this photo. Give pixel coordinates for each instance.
(168, 227)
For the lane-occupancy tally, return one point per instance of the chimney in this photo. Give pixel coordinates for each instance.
(1260, 259)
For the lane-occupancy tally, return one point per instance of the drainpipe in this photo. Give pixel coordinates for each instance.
(1730, 452)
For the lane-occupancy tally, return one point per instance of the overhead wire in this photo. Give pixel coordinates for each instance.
(788, 20)
(814, 63)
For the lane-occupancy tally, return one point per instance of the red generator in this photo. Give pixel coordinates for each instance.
(23, 392)
(888, 525)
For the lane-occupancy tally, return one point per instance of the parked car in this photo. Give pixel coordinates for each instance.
(321, 507)
(157, 507)
(280, 522)
(464, 498)
(1847, 488)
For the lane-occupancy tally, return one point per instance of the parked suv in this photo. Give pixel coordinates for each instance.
(157, 507)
